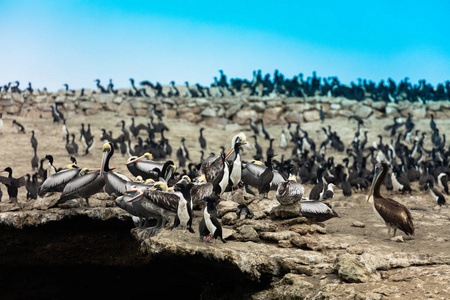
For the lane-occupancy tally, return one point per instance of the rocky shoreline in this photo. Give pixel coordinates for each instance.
(299, 259)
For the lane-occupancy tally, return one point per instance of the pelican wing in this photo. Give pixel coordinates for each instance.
(251, 173)
(211, 167)
(149, 166)
(166, 200)
(200, 191)
(315, 207)
(395, 214)
(77, 184)
(57, 181)
(116, 182)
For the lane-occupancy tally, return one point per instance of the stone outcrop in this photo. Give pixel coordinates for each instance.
(211, 111)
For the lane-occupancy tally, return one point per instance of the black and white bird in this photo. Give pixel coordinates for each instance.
(210, 226)
(182, 154)
(18, 126)
(436, 195)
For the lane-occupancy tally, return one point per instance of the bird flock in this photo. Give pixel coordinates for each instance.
(161, 187)
(275, 85)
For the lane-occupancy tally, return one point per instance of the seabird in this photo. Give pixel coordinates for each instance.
(161, 204)
(290, 191)
(83, 186)
(115, 183)
(57, 181)
(394, 214)
(213, 227)
(437, 196)
(12, 184)
(202, 140)
(34, 161)
(19, 127)
(1, 123)
(182, 154)
(236, 168)
(212, 165)
(317, 211)
(31, 186)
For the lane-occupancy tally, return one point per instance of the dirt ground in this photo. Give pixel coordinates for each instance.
(431, 223)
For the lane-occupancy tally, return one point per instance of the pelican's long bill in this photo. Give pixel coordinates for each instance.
(102, 168)
(374, 181)
(137, 197)
(169, 173)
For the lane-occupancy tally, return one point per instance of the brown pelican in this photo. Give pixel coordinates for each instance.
(290, 191)
(83, 186)
(115, 183)
(392, 213)
(212, 165)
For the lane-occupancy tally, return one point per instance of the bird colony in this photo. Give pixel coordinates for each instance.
(162, 188)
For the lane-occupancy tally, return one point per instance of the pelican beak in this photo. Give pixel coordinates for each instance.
(229, 152)
(134, 161)
(137, 197)
(102, 168)
(131, 191)
(171, 168)
(375, 178)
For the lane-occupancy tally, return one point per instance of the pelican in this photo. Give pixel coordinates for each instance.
(213, 164)
(316, 210)
(84, 186)
(290, 191)
(115, 183)
(164, 204)
(393, 214)
(57, 181)
(252, 171)
(144, 166)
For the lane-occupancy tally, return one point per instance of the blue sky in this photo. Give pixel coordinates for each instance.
(54, 42)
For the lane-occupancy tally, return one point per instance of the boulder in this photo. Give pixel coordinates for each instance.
(225, 207)
(272, 116)
(242, 115)
(311, 115)
(363, 111)
(293, 117)
(352, 268)
(286, 211)
(247, 233)
(279, 235)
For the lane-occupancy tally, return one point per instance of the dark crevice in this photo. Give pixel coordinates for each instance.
(82, 257)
